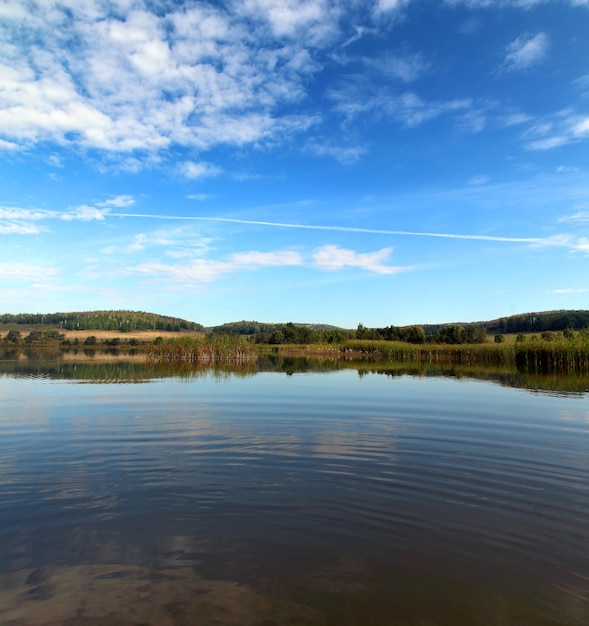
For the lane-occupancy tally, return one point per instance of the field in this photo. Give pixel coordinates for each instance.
(142, 336)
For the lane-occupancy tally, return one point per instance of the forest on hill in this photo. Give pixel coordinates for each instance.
(455, 333)
(119, 321)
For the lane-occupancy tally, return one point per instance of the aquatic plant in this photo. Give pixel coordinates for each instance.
(557, 354)
(214, 347)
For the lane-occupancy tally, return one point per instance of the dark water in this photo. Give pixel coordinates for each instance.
(323, 497)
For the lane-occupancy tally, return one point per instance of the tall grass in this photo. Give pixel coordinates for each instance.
(558, 355)
(433, 353)
(541, 356)
(214, 347)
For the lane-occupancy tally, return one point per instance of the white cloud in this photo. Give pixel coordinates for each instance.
(207, 270)
(85, 214)
(124, 78)
(580, 217)
(197, 270)
(190, 169)
(567, 169)
(17, 220)
(331, 258)
(266, 259)
(291, 18)
(178, 243)
(574, 244)
(413, 110)
(344, 154)
(29, 215)
(581, 128)
(525, 52)
(326, 258)
(8, 145)
(358, 100)
(137, 245)
(582, 83)
(406, 68)
(558, 130)
(516, 4)
(200, 196)
(8, 228)
(496, 4)
(548, 143)
(386, 6)
(118, 201)
(581, 245)
(483, 179)
(25, 272)
(516, 119)
(54, 160)
(568, 290)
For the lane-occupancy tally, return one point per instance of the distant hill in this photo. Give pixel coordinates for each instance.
(121, 321)
(127, 321)
(520, 323)
(525, 322)
(255, 328)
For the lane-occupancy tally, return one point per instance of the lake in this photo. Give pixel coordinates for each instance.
(290, 492)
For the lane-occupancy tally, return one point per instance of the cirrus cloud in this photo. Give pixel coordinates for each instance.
(525, 52)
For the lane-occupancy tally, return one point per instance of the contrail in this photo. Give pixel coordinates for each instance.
(345, 229)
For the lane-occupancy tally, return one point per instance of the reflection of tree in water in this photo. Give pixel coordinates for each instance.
(86, 365)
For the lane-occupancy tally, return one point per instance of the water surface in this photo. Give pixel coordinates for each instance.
(329, 496)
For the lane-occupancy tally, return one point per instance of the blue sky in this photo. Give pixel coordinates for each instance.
(382, 162)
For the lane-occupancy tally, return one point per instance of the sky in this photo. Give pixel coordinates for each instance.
(321, 161)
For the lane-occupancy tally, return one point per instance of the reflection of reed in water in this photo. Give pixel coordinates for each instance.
(188, 369)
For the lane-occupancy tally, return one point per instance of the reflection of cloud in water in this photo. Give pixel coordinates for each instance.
(567, 415)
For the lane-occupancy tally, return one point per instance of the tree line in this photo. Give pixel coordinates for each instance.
(539, 322)
(120, 321)
(290, 333)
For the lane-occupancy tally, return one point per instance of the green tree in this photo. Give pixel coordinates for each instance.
(415, 334)
(12, 336)
(35, 336)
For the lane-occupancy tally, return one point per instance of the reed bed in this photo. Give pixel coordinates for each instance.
(541, 356)
(465, 354)
(560, 355)
(209, 349)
